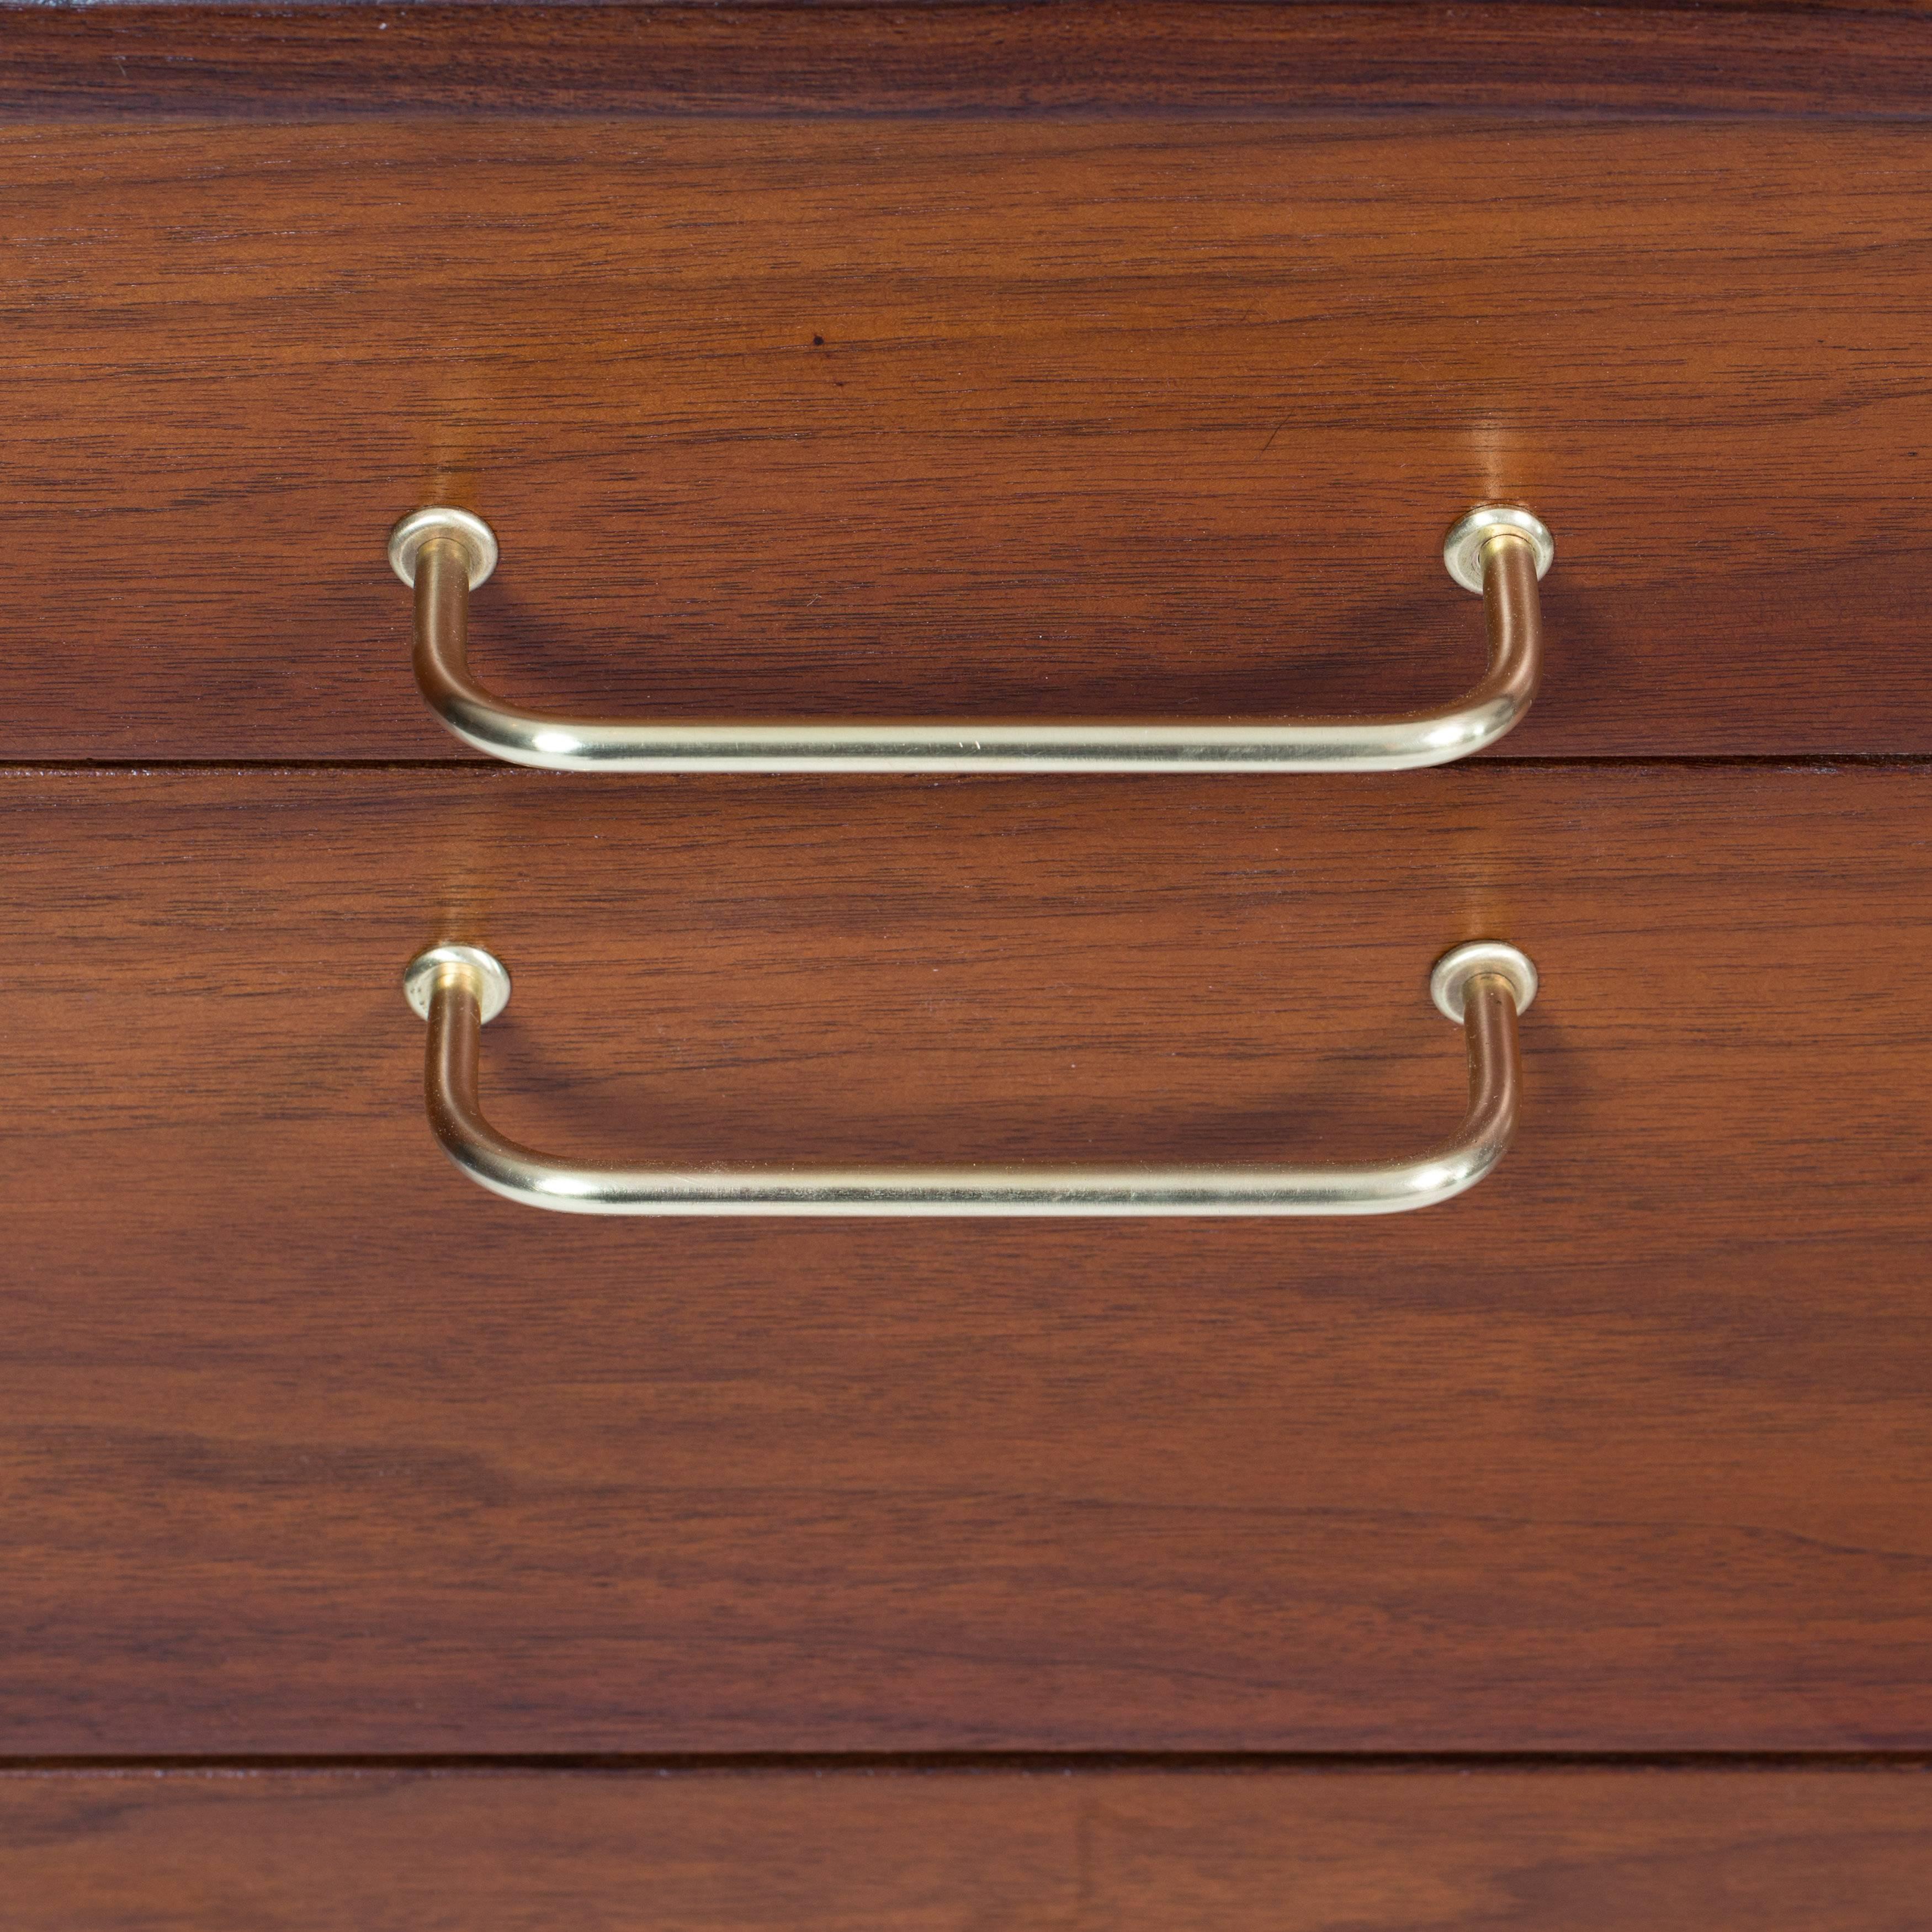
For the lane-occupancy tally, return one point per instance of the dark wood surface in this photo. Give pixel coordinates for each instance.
(1868, 58)
(1031, 359)
(1159, 418)
(1781, 1851)
(308, 1445)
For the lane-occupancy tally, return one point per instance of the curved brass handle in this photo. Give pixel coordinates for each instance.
(1484, 985)
(1498, 550)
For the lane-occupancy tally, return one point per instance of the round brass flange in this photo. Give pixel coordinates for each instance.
(491, 975)
(1463, 548)
(1449, 982)
(474, 537)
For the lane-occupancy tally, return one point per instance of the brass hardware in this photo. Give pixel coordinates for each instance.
(1447, 984)
(1500, 550)
(458, 988)
(491, 980)
(1464, 550)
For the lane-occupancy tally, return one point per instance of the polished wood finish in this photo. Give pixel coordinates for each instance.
(1023, 359)
(309, 1445)
(376, 1851)
(1858, 57)
(1163, 418)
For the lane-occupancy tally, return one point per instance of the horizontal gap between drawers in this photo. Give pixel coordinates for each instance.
(869, 1764)
(1634, 761)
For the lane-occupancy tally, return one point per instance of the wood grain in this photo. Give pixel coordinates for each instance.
(308, 1445)
(1163, 419)
(1332, 1852)
(1868, 58)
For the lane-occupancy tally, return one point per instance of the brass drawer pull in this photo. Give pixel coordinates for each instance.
(1483, 985)
(1498, 550)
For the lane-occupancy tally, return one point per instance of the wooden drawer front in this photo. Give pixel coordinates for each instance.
(1160, 418)
(369, 1851)
(309, 1445)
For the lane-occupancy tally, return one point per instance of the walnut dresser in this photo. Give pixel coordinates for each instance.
(931, 671)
